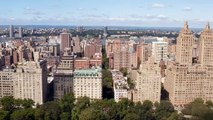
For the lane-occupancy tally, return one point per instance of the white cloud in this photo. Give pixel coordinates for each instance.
(31, 11)
(158, 5)
(161, 16)
(80, 8)
(187, 9)
(155, 17)
(12, 18)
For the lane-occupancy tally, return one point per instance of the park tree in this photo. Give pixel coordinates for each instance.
(27, 103)
(4, 115)
(67, 102)
(7, 103)
(93, 114)
(164, 110)
(39, 114)
(52, 110)
(131, 116)
(82, 103)
(23, 114)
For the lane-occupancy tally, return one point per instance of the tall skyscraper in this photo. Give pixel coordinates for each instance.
(185, 42)
(80, 29)
(205, 46)
(105, 31)
(186, 81)
(20, 32)
(11, 31)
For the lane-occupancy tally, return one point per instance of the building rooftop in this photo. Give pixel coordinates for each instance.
(87, 72)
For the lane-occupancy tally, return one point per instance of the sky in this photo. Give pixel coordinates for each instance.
(141, 13)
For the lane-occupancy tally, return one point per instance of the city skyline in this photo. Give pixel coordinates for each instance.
(151, 13)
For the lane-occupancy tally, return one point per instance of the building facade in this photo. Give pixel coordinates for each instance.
(120, 85)
(66, 41)
(88, 83)
(63, 84)
(6, 82)
(160, 51)
(31, 81)
(148, 83)
(187, 80)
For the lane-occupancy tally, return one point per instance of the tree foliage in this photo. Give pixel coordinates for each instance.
(83, 109)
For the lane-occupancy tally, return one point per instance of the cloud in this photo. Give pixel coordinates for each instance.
(187, 9)
(31, 11)
(155, 17)
(161, 16)
(158, 5)
(12, 18)
(80, 8)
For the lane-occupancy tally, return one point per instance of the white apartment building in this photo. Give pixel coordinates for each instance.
(88, 83)
(120, 85)
(159, 51)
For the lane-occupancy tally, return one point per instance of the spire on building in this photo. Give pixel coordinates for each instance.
(186, 26)
(207, 29)
(208, 26)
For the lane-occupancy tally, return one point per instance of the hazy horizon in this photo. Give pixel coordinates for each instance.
(152, 13)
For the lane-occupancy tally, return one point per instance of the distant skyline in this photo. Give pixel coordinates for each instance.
(141, 13)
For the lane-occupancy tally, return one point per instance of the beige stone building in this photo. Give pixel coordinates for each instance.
(187, 80)
(122, 53)
(66, 63)
(6, 82)
(206, 47)
(185, 42)
(31, 81)
(147, 83)
(88, 83)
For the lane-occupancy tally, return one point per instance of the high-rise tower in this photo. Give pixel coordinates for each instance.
(66, 39)
(11, 31)
(186, 81)
(205, 45)
(185, 43)
(20, 32)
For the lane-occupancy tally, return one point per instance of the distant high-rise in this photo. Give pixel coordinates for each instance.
(66, 39)
(105, 31)
(80, 29)
(20, 32)
(11, 31)
(76, 44)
